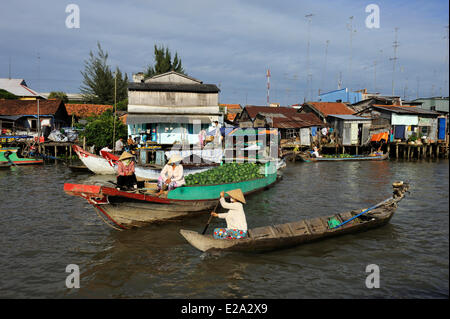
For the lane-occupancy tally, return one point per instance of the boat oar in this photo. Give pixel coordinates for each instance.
(210, 218)
(7, 153)
(363, 212)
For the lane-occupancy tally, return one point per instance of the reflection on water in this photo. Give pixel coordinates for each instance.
(43, 230)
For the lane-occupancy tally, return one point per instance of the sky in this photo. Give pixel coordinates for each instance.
(233, 43)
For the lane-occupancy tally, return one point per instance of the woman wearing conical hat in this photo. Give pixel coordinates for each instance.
(172, 175)
(125, 169)
(235, 217)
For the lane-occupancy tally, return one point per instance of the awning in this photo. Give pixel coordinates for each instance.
(185, 119)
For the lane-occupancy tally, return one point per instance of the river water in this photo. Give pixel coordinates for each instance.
(42, 230)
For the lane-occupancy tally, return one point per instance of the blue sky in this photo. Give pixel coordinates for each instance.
(232, 43)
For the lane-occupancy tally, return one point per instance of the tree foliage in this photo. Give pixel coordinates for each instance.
(7, 95)
(98, 80)
(99, 130)
(164, 62)
(58, 95)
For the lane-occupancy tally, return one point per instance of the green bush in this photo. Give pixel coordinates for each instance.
(99, 130)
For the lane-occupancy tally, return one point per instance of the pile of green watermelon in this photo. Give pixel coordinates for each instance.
(226, 173)
(337, 156)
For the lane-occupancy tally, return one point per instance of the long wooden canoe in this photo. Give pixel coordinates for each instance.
(306, 158)
(299, 232)
(136, 209)
(11, 154)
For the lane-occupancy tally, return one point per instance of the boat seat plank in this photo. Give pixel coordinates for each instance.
(261, 232)
(282, 230)
(316, 225)
(299, 228)
(345, 216)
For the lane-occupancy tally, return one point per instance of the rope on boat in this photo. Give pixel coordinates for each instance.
(96, 210)
(104, 213)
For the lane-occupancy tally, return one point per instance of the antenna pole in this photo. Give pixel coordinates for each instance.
(395, 45)
(308, 16)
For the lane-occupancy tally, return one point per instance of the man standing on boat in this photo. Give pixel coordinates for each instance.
(171, 175)
(235, 217)
(119, 146)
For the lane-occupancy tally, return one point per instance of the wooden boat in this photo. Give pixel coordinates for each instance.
(303, 231)
(153, 173)
(141, 207)
(305, 157)
(95, 163)
(5, 165)
(79, 168)
(8, 154)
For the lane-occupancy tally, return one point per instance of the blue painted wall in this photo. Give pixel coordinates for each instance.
(344, 95)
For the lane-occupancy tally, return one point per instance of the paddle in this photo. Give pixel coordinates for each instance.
(209, 220)
(9, 160)
(363, 212)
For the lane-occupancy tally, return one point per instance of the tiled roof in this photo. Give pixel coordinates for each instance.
(232, 106)
(29, 107)
(85, 110)
(327, 108)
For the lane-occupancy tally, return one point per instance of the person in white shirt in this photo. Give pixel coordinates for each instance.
(119, 145)
(106, 149)
(171, 175)
(235, 217)
(316, 152)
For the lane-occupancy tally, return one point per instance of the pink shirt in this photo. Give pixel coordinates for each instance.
(125, 170)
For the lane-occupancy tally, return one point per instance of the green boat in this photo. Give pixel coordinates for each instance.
(129, 209)
(9, 154)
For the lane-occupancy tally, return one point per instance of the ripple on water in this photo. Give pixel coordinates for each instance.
(43, 230)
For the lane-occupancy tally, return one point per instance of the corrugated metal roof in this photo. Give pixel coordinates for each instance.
(348, 117)
(405, 109)
(174, 87)
(17, 87)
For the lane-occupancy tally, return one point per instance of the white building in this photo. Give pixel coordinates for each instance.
(172, 108)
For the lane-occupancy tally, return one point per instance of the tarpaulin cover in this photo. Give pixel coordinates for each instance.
(380, 136)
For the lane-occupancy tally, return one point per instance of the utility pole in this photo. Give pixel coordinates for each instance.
(268, 85)
(350, 28)
(308, 16)
(325, 66)
(9, 74)
(394, 59)
(340, 80)
(446, 75)
(114, 120)
(37, 98)
(418, 84)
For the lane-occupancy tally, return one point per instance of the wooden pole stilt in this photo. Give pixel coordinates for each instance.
(396, 150)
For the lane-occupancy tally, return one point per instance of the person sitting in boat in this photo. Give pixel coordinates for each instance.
(235, 217)
(315, 152)
(106, 149)
(171, 175)
(125, 168)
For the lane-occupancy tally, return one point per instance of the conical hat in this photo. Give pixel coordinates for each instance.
(125, 155)
(175, 158)
(237, 195)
